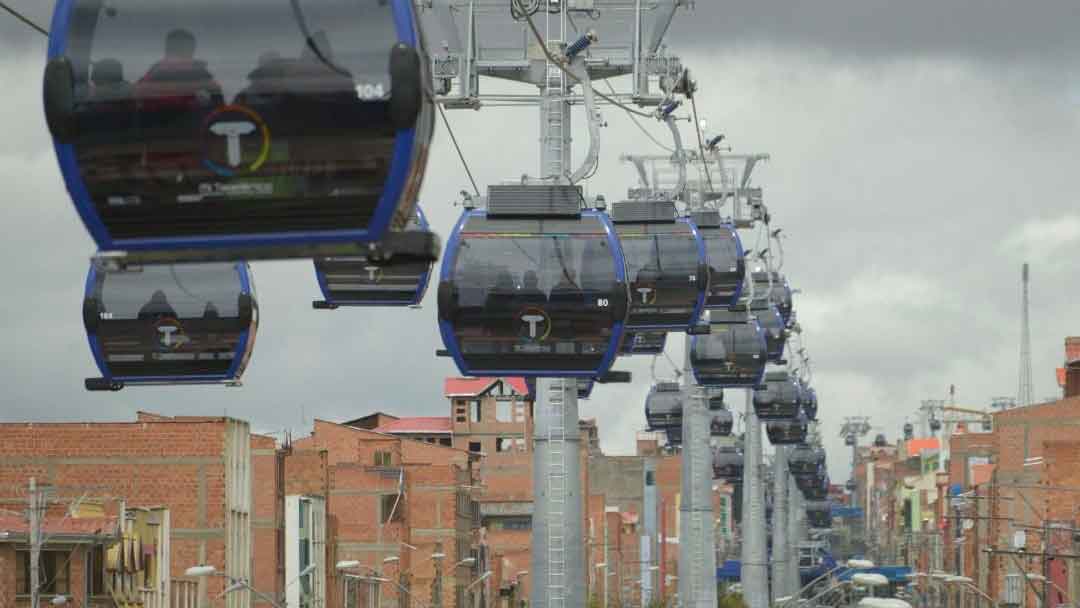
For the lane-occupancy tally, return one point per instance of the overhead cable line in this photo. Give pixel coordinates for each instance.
(641, 126)
(701, 143)
(457, 147)
(26, 20)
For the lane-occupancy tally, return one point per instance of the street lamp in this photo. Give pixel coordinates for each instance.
(59, 600)
(1031, 576)
(851, 564)
(236, 584)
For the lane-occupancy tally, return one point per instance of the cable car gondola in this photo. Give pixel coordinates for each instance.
(721, 423)
(533, 286)
(727, 261)
(362, 281)
(849, 440)
(813, 487)
(772, 322)
(733, 354)
(850, 485)
(728, 464)
(786, 432)
(674, 436)
(806, 460)
(809, 402)
(585, 387)
(664, 406)
(180, 136)
(909, 431)
(779, 294)
(170, 324)
(778, 397)
(665, 265)
(643, 343)
(880, 441)
(819, 514)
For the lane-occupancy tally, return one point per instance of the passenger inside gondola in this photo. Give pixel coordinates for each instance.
(177, 84)
(211, 311)
(530, 292)
(157, 307)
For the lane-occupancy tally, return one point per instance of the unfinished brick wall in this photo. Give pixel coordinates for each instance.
(172, 462)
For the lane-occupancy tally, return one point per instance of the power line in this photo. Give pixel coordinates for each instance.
(458, 148)
(26, 20)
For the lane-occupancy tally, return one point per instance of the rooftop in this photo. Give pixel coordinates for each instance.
(474, 387)
(417, 424)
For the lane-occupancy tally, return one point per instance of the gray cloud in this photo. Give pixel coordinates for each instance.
(912, 189)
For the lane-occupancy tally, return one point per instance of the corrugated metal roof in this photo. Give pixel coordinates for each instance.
(417, 424)
(471, 387)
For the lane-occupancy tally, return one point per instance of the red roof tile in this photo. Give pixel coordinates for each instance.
(471, 387)
(417, 424)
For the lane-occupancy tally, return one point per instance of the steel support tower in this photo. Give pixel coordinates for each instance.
(697, 537)
(780, 541)
(755, 566)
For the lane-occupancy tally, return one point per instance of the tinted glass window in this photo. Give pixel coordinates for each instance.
(183, 112)
(662, 272)
(183, 291)
(726, 269)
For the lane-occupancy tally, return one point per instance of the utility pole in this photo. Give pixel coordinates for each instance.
(35, 544)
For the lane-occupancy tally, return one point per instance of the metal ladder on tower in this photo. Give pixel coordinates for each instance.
(555, 134)
(556, 484)
(697, 523)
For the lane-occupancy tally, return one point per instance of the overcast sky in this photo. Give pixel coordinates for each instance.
(921, 151)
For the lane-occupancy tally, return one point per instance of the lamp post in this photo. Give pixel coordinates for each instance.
(970, 584)
(345, 565)
(236, 584)
(851, 564)
(1031, 576)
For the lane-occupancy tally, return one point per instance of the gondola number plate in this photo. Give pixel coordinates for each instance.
(370, 91)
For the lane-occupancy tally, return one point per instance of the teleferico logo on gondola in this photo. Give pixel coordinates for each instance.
(170, 334)
(534, 324)
(235, 124)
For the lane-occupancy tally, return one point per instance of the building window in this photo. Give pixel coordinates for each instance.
(460, 419)
(474, 446)
(95, 571)
(445, 441)
(53, 569)
(519, 444)
(504, 444)
(516, 523)
(382, 458)
(474, 410)
(392, 509)
(504, 411)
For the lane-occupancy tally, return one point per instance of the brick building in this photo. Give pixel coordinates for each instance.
(392, 504)
(199, 468)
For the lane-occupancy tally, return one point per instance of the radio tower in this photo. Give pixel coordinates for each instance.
(1025, 391)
